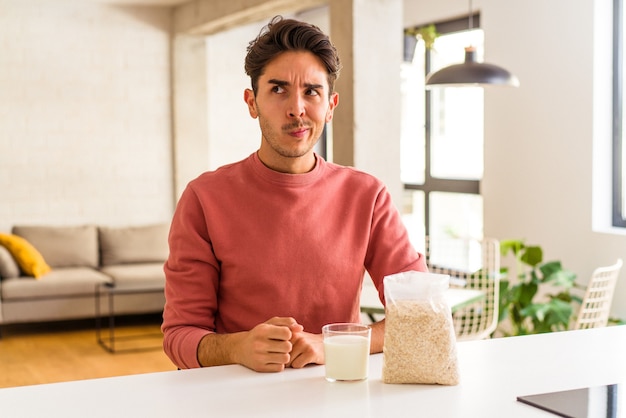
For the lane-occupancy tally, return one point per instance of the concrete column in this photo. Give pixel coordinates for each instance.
(190, 92)
(366, 125)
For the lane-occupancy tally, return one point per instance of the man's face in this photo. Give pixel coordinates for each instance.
(293, 105)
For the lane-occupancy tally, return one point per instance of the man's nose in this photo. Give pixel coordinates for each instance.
(296, 107)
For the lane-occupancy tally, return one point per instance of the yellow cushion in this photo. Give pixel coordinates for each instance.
(28, 258)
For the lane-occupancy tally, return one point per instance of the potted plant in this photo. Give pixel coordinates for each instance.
(540, 300)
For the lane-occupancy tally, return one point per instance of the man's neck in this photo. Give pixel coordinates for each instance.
(295, 165)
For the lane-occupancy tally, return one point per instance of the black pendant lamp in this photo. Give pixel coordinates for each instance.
(471, 73)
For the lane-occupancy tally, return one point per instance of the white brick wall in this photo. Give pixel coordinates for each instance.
(85, 131)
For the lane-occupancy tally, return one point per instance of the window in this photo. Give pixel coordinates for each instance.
(442, 140)
(619, 168)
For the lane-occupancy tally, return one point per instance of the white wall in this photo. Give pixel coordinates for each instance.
(84, 114)
(543, 141)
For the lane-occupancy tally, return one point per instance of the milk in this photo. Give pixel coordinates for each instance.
(347, 357)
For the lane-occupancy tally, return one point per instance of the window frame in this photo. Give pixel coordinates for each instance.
(434, 184)
(618, 212)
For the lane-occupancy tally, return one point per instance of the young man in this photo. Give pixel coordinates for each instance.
(266, 251)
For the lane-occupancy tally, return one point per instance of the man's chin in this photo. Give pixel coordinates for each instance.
(298, 152)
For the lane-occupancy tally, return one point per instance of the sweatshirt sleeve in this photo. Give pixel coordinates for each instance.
(192, 280)
(389, 250)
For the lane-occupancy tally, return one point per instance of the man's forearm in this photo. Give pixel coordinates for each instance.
(221, 349)
(218, 349)
(378, 337)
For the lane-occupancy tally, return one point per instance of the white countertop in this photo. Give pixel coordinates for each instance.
(493, 373)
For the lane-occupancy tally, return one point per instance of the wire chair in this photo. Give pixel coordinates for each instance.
(596, 304)
(473, 264)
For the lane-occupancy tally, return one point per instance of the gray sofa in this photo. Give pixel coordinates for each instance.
(81, 257)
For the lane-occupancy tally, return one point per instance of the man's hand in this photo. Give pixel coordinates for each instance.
(306, 349)
(281, 342)
(268, 347)
(265, 348)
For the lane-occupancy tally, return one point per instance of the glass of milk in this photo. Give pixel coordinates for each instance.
(347, 350)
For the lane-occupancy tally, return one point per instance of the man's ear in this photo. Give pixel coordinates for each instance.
(332, 104)
(248, 97)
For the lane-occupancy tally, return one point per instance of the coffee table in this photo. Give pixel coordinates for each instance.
(110, 291)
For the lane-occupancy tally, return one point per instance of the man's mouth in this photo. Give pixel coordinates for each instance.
(297, 131)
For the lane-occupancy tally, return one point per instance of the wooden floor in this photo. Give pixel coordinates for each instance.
(57, 352)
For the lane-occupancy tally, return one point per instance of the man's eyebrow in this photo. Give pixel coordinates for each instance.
(283, 83)
(278, 82)
(314, 86)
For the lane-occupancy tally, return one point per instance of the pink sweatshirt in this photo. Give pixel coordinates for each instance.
(248, 243)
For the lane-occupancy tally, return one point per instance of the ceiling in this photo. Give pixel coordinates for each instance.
(143, 2)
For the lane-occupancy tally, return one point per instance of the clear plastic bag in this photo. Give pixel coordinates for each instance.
(420, 344)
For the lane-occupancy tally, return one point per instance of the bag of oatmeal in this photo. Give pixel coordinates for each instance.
(420, 343)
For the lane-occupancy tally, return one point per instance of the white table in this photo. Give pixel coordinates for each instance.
(456, 297)
(493, 373)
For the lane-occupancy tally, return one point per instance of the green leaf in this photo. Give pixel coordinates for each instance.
(564, 278)
(517, 304)
(427, 33)
(535, 310)
(534, 278)
(546, 317)
(577, 299)
(564, 296)
(550, 267)
(559, 316)
(532, 255)
(504, 300)
(525, 293)
(561, 308)
(511, 245)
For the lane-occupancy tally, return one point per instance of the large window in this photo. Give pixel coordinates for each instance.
(442, 140)
(619, 158)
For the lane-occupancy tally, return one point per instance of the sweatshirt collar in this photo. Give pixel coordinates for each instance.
(287, 179)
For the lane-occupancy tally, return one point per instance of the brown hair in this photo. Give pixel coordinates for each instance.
(281, 35)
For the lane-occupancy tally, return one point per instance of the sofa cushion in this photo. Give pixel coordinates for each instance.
(30, 260)
(136, 274)
(60, 282)
(8, 265)
(133, 244)
(63, 246)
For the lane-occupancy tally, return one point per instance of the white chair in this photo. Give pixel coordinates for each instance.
(473, 264)
(596, 304)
